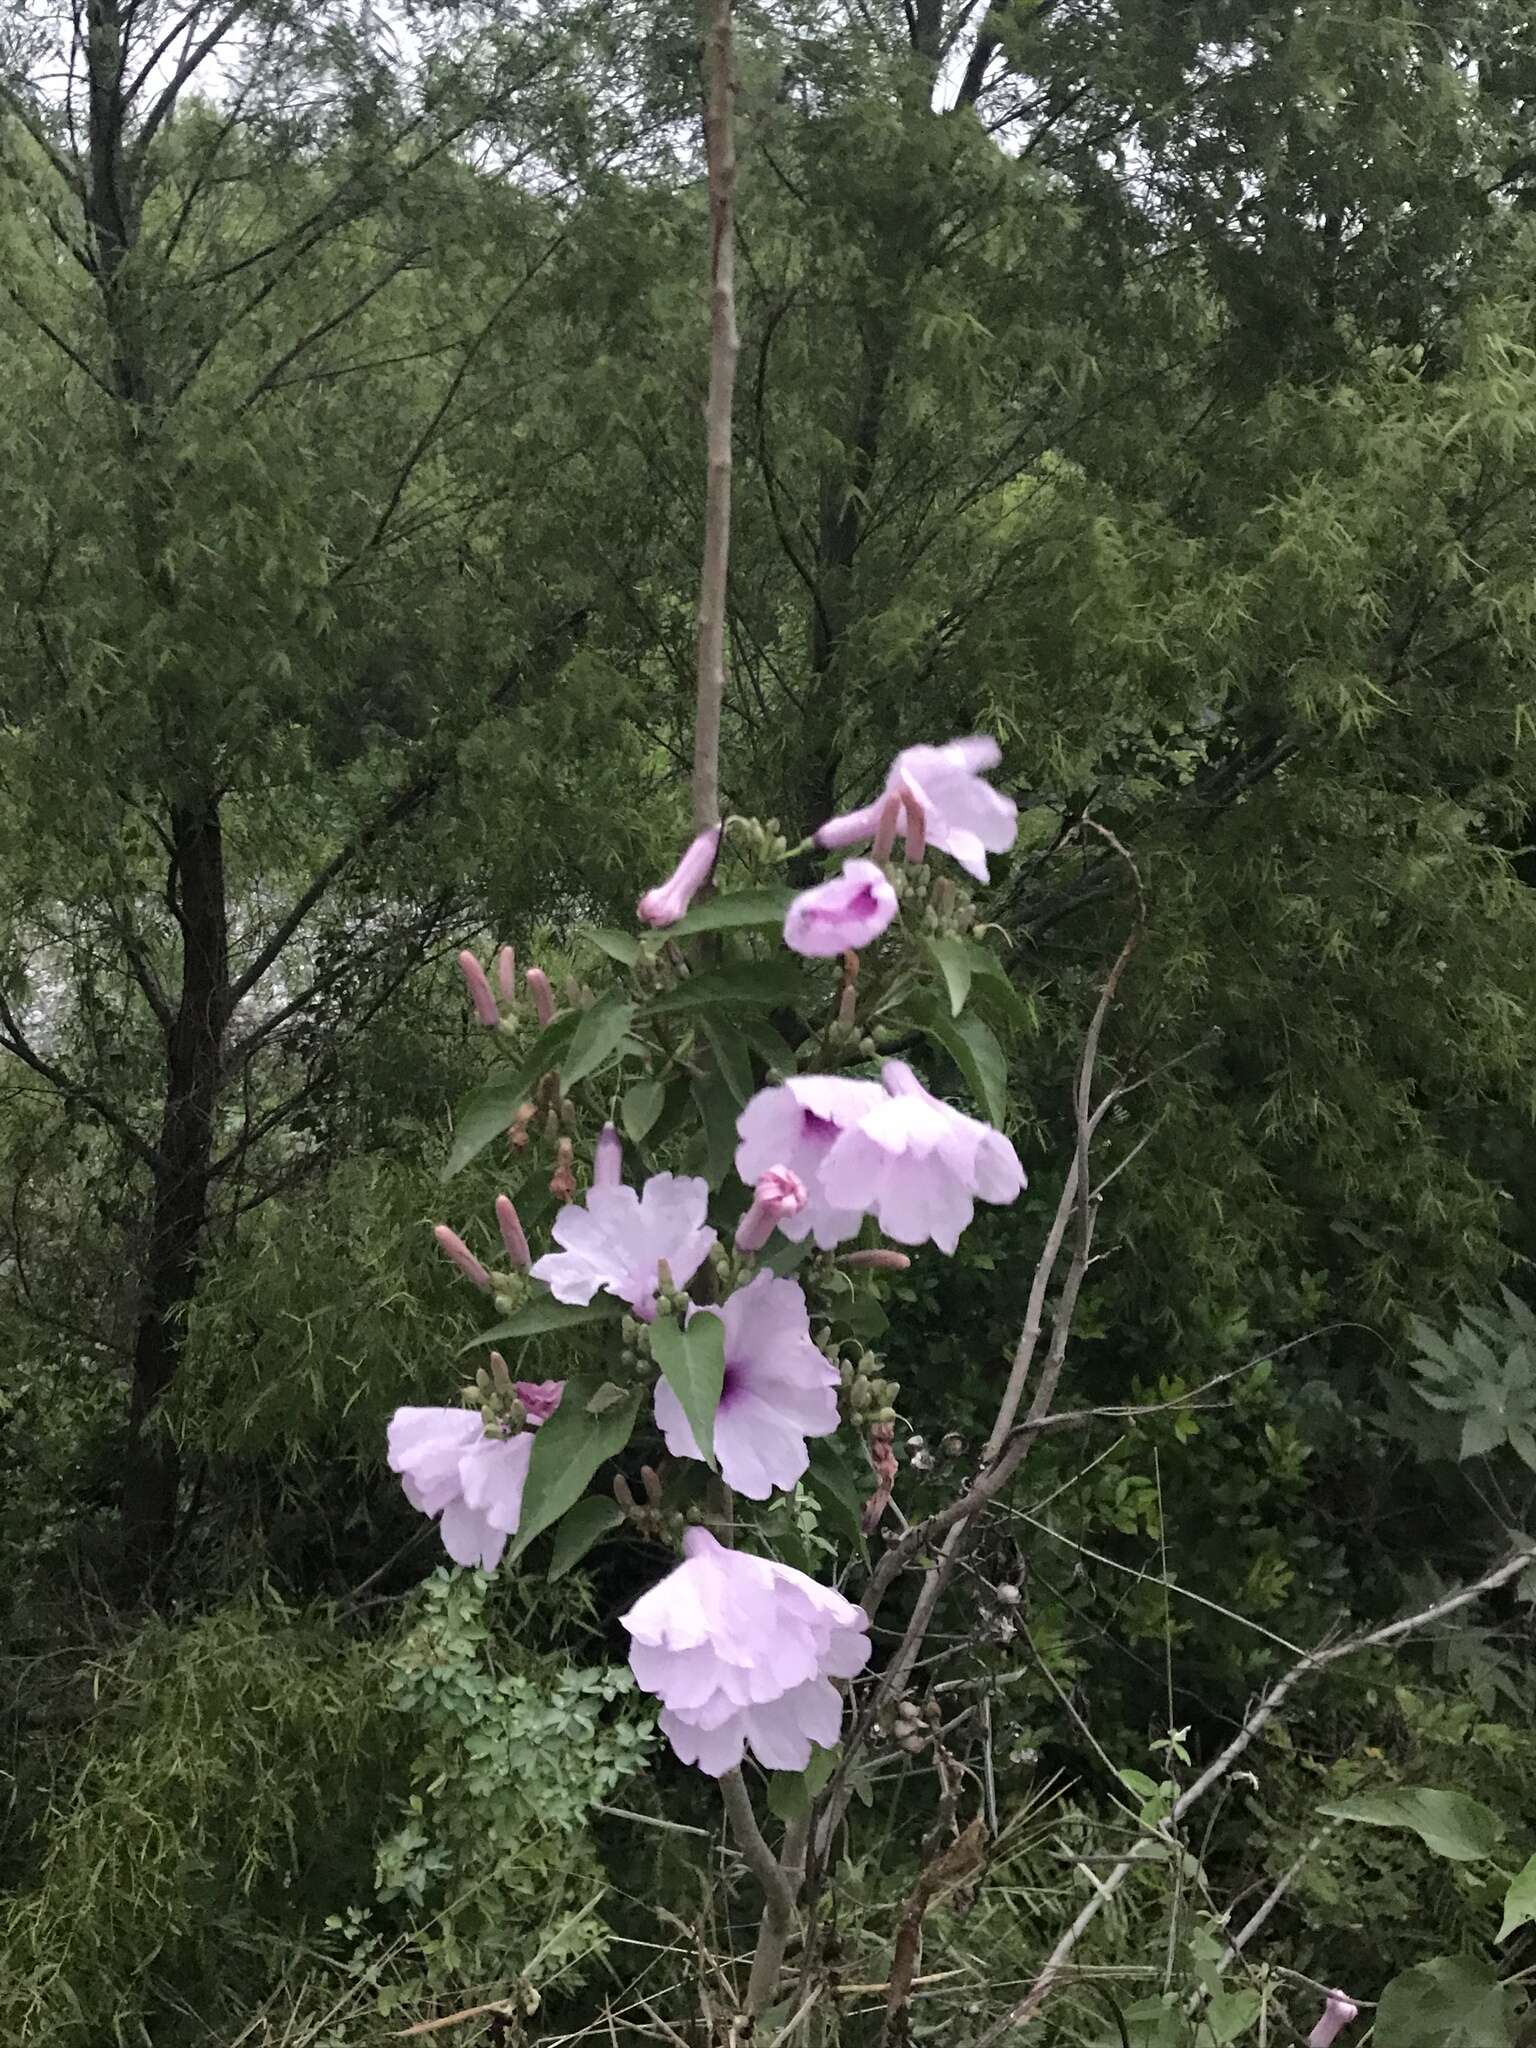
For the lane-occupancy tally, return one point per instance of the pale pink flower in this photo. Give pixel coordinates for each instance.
(1337, 2015)
(793, 1127)
(479, 990)
(608, 1159)
(742, 1652)
(851, 910)
(778, 1391)
(917, 1166)
(451, 1468)
(615, 1239)
(453, 1247)
(540, 1398)
(543, 996)
(668, 902)
(512, 1233)
(945, 803)
(778, 1194)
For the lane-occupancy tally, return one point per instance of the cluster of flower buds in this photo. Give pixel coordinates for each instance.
(910, 1726)
(868, 1398)
(759, 836)
(941, 907)
(649, 1518)
(548, 1115)
(497, 1008)
(501, 1408)
(635, 1348)
(506, 1288)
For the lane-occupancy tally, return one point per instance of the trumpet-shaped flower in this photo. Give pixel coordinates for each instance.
(850, 911)
(917, 1165)
(742, 1653)
(945, 802)
(778, 1391)
(614, 1241)
(793, 1128)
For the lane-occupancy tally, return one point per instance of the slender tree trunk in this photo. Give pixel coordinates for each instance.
(179, 1200)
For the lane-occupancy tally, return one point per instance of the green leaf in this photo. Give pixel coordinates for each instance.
(953, 959)
(692, 1362)
(832, 1486)
(1452, 2002)
(992, 978)
(770, 1048)
(640, 1108)
(1519, 1901)
(732, 1060)
(1453, 1826)
(787, 1256)
(587, 1523)
(716, 1105)
(1139, 1783)
(540, 1317)
(790, 1793)
(1229, 2014)
(1479, 1435)
(862, 1315)
(566, 1452)
(753, 984)
(747, 907)
(620, 946)
(974, 1050)
(487, 1111)
(597, 1038)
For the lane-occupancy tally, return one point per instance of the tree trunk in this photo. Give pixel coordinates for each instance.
(179, 1200)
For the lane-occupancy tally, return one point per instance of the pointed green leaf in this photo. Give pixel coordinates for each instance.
(1519, 1901)
(1462, 1830)
(541, 1317)
(640, 1108)
(487, 1111)
(587, 1523)
(754, 984)
(952, 957)
(566, 1452)
(746, 908)
(597, 1038)
(974, 1050)
(833, 1487)
(1452, 2002)
(716, 1104)
(790, 1793)
(770, 1048)
(692, 1362)
(732, 1060)
(1229, 2014)
(620, 946)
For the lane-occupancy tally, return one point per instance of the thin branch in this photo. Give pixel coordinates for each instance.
(1059, 1960)
(14, 1041)
(724, 346)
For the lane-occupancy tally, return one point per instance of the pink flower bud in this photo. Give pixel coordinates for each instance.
(666, 904)
(543, 996)
(608, 1160)
(540, 1398)
(512, 1233)
(917, 828)
(882, 1458)
(882, 1261)
(453, 1246)
(1337, 2015)
(517, 1130)
(778, 1194)
(479, 990)
(562, 1182)
(506, 975)
(885, 827)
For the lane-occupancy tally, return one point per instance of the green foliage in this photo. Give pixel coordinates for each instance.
(1453, 2002)
(1486, 1375)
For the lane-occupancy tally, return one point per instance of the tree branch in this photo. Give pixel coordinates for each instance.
(724, 346)
(14, 1041)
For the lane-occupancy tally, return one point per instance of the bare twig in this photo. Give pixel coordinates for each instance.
(720, 147)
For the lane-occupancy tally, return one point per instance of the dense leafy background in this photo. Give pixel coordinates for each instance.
(1154, 387)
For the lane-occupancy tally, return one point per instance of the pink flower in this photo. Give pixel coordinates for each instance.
(778, 1391)
(1337, 2015)
(479, 990)
(944, 801)
(917, 1165)
(608, 1160)
(540, 1398)
(453, 1247)
(615, 1239)
(451, 1468)
(512, 1233)
(777, 1195)
(741, 1651)
(666, 904)
(851, 910)
(792, 1129)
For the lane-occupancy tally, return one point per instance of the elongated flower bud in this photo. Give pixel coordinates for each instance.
(882, 1261)
(453, 1246)
(668, 902)
(885, 828)
(506, 975)
(1337, 2015)
(517, 1130)
(917, 829)
(479, 990)
(543, 996)
(512, 1233)
(777, 1194)
(608, 1161)
(562, 1182)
